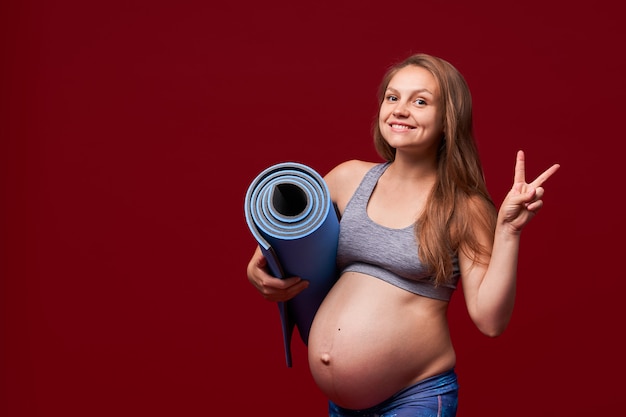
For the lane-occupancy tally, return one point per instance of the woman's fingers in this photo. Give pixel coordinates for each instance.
(545, 175)
(520, 171)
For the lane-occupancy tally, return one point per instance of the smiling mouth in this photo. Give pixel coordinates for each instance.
(402, 127)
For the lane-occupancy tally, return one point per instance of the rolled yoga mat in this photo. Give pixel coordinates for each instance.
(290, 214)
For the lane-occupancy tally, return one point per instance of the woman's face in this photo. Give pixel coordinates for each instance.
(410, 116)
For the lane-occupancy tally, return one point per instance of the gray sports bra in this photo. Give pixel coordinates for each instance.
(382, 252)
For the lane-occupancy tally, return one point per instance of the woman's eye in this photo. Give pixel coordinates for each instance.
(420, 102)
(392, 98)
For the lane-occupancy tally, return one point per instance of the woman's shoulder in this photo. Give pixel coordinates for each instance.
(352, 169)
(344, 179)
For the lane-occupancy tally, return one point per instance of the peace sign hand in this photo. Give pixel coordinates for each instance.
(524, 200)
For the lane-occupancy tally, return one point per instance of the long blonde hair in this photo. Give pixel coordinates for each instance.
(450, 216)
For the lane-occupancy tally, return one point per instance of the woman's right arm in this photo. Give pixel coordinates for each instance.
(270, 287)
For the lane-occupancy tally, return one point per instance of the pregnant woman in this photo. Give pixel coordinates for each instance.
(411, 228)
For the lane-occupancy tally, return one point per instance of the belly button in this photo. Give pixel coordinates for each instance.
(325, 359)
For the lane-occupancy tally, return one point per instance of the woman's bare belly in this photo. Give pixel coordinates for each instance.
(371, 339)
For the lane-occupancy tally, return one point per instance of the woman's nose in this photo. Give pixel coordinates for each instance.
(400, 110)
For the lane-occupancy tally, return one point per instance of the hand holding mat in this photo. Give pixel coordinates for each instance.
(291, 215)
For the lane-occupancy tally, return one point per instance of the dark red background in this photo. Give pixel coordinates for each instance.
(130, 131)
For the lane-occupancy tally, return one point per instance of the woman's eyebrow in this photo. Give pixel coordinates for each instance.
(418, 91)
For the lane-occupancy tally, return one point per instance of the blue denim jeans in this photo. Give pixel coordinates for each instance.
(436, 396)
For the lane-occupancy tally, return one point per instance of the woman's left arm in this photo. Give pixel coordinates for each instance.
(489, 286)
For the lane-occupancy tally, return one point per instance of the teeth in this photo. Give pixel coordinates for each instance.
(400, 127)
